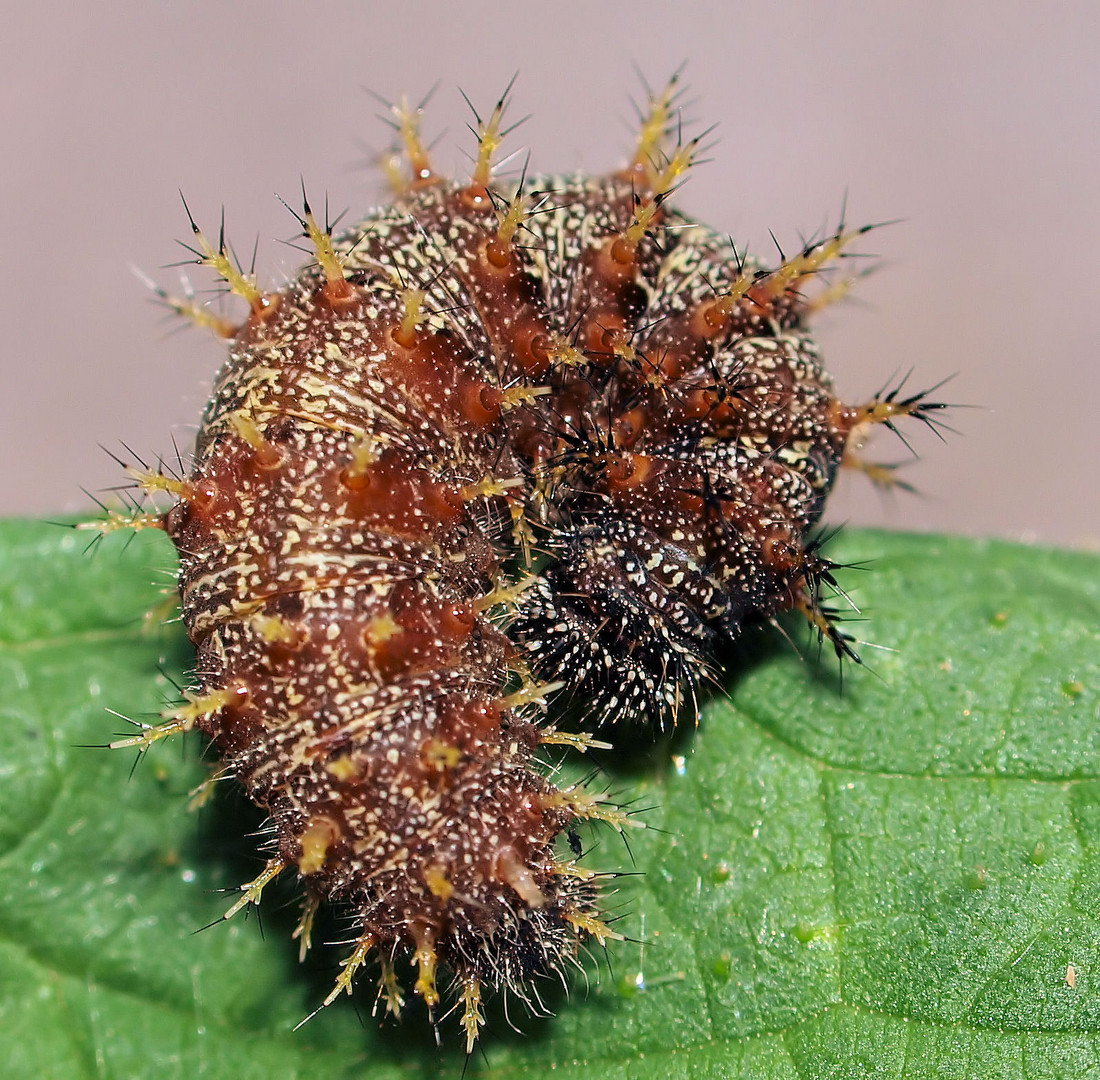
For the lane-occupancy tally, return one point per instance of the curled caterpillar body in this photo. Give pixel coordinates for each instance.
(498, 442)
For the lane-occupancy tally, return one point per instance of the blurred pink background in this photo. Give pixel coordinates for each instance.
(969, 121)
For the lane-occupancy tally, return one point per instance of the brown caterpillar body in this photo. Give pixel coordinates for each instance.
(495, 437)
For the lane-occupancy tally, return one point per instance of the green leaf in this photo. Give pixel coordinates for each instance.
(899, 877)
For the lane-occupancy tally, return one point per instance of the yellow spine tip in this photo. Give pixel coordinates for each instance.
(389, 989)
(412, 315)
(178, 720)
(577, 740)
(222, 261)
(337, 286)
(506, 596)
(186, 307)
(472, 1016)
(489, 487)
(530, 693)
(252, 891)
(489, 138)
(349, 966)
(426, 962)
(407, 121)
(303, 932)
(589, 924)
(655, 128)
(117, 520)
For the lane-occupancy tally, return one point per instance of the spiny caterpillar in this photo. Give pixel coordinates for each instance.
(498, 445)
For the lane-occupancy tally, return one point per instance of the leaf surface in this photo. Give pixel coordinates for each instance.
(899, 877)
